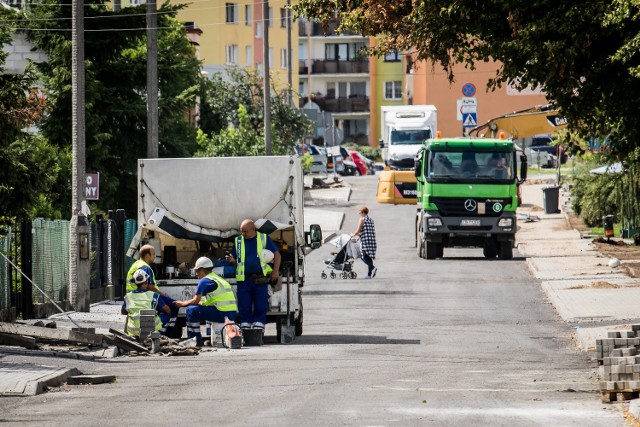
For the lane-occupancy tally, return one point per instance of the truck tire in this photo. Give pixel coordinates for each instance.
(420, 247)
(490, 251)
(506, 251)
(299, 321)
(432, 250)
(440, 251)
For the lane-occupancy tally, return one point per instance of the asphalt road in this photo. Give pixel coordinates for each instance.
(454, 342)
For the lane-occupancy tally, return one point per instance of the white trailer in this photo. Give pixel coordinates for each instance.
(193, 207)
(404, 129)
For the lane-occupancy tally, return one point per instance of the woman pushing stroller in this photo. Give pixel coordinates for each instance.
(367, 232)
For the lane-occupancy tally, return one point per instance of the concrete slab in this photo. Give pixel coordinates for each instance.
(553, 248)
(342, 194)
(571, 266)
(587, 305)
(330, 221)
(23, 379)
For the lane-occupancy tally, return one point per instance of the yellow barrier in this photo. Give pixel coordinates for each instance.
(397, 187)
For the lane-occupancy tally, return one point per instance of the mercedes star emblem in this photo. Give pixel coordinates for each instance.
(470, 205)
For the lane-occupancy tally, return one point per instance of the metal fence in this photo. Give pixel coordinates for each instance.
(40, 249)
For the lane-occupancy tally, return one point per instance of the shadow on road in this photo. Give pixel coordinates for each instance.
(355, 292)
(343, 339)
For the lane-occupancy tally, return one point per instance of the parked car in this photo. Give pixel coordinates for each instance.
(339, 161)
(319, 160)
(361, 163)
(544, 142)
(542, 156)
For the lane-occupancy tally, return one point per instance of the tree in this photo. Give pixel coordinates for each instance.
(231, 117)
(28, 163)
(115, 52)
(584, 55)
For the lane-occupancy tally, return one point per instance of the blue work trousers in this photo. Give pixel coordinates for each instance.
(199, 313)
(253, 302)
(168, 320)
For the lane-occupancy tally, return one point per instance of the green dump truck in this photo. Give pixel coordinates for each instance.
(467, 195)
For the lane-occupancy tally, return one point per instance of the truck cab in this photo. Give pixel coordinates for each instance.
(467, 196)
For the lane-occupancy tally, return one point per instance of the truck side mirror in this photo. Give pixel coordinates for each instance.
(523, 167)
(417, 166)
(315, 236)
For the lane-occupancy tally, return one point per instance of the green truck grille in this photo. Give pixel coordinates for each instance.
(470, 206)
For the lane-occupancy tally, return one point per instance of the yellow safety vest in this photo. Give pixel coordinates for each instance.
(134, 267)
(223, 297)
(136, 301)
(261, 243)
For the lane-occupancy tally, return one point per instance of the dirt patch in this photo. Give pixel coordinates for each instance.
(576, 223)
(619, 249)
(596, 285)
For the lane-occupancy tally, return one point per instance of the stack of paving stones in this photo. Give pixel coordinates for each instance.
(619, 365)
(147, 323)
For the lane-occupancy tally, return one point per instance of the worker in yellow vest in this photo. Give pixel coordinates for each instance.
(142, 299)
(147, 255)
(214, 300)
(252, 253)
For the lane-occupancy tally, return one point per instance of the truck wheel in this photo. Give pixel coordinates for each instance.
(299, 321)
(420, 247)
(505, 251)
(440, 250)
(432, 250)
(490, 251)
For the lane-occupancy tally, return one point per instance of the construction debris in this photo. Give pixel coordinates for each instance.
(18, 340)
(49, 333)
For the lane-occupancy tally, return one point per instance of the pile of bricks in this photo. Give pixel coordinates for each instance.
(620, 365)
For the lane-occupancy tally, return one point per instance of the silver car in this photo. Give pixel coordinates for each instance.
(319, 160)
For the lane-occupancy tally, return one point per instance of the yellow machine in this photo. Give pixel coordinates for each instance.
(397, 187)
(400, 187)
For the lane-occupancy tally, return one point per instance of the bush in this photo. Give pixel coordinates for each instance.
(307, 162)
(594, 196)
(370, 152)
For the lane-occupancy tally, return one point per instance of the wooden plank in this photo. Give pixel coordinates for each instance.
(48, 333)
(18, 340)
(129, 345)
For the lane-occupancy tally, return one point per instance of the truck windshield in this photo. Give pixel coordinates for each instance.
(469, 166)
(409, 137)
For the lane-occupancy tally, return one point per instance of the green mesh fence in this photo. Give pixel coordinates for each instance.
(130, 228)
(5, 271)
(50, 254)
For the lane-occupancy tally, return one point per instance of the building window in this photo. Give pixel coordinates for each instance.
(248, 52)
(336, 51)
(393, 90)
(231, 54)
(232, 13)
(259, 30)
(393, 57)
(284, 58)
(283, 17)
(247, 15)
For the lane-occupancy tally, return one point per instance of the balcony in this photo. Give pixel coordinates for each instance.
(303, 68)
(317, 29)
(302, 28)
(352, 104)
(324, 66)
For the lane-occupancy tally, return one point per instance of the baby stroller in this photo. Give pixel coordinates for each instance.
(343, 260)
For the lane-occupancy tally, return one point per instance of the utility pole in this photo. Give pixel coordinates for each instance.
(289, 55)
(79, 266)
(267, 85)
(152, 80)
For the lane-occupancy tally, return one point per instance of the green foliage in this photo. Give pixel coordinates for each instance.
(307, 162)
(116, 116)
(231, 117)
(594, 196)
(584, 55)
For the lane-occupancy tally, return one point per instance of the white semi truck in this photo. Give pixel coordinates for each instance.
(404, 129)
(193, 207)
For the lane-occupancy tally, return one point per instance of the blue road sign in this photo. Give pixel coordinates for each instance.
(469, 120)
(469, 89)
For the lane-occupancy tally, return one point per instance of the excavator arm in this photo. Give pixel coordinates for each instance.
(523, 123)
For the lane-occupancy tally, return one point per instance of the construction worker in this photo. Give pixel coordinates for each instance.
(214, 300)
(142, 299)
(253, 273)
(147, 255)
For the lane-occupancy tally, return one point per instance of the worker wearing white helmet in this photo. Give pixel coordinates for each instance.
(214, 300)
(253, 252)
(142, 299)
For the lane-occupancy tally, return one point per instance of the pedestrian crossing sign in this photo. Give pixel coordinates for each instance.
(469, 120)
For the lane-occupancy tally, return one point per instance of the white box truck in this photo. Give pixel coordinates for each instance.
(404, 129)
(193, 207)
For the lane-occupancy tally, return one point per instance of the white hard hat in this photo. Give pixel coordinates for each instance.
(140, 276)
(266, 256)
(203, 262)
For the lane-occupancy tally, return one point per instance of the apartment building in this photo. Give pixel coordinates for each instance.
(334, 77)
